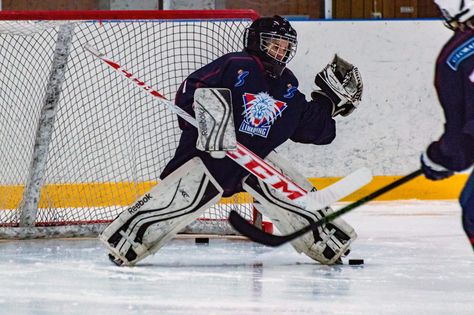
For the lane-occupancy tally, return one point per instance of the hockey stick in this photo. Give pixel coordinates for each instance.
(249, 160)
(262, 237)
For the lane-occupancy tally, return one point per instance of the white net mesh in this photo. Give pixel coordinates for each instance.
(110, 140)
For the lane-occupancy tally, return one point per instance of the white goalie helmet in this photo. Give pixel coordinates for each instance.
(456, 12)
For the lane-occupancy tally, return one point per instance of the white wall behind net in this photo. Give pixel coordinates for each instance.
(399, 114)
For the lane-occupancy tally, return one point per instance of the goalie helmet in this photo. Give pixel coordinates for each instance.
(457, 13)
(273, 39)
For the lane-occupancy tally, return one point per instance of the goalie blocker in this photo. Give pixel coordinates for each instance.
(216, 131)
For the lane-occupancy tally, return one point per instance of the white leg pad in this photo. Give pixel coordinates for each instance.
(326, 245)
(160, 214)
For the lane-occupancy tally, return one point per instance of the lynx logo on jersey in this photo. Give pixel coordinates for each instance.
(260, 111)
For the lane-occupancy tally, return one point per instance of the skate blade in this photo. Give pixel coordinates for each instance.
(117, 261)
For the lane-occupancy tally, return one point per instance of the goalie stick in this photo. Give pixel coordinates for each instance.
(262, 237)
(249, 160)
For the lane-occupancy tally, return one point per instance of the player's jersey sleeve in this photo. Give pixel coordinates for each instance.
(468, 74)
(454, 84)
(316, 125)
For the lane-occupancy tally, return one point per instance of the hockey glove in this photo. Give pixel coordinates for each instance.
(432, 170)
(341, 83)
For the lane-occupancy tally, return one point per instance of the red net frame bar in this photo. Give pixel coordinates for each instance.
(128, 15)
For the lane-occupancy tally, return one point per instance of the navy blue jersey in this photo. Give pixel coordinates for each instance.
(267, 112)
(454, 82)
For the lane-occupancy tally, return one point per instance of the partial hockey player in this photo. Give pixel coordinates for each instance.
(253, 98)
(454, 82)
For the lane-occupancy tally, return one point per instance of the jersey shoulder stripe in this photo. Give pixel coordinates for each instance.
(461, 53)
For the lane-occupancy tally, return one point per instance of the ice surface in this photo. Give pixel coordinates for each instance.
(417, 261)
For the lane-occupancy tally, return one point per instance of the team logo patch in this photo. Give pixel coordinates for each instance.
(290, 91)
(241, 77)
(260, 112)
(462, 52)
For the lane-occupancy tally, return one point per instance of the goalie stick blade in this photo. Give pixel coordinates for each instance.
(340, 189)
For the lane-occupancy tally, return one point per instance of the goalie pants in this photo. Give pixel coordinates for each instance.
(467, 204)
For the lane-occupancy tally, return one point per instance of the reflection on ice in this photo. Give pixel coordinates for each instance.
(416, 261)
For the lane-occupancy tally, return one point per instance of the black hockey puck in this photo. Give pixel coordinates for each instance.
(202, 240)
(356, 261)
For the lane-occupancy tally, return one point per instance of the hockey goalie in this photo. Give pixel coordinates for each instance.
(253, 98)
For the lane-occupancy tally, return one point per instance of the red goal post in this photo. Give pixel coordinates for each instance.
(78, 143)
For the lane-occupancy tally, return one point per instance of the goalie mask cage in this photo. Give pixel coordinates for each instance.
(79, 143)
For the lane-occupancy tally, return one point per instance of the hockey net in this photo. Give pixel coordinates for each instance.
(78, 143)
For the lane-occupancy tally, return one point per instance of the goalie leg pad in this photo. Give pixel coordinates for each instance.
(326, 245)
(143, 228)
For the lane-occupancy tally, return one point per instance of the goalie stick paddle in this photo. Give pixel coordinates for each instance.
(242, 156)
(262, 237)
